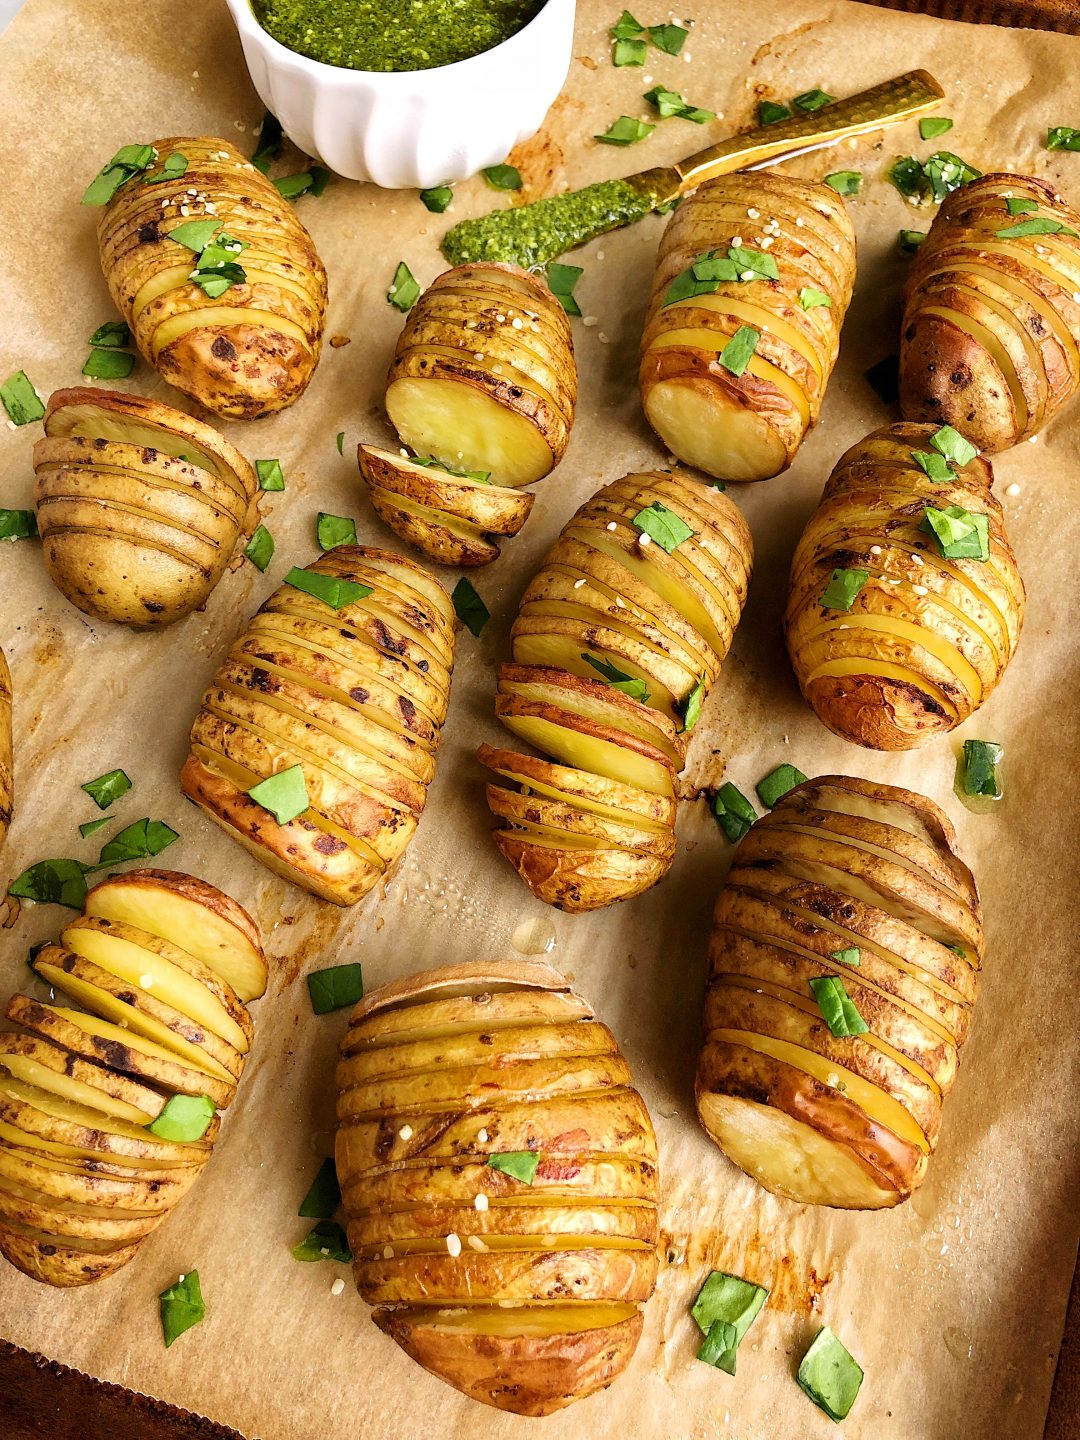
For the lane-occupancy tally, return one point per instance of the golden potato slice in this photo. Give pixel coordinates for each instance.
(73, 1261)
(37, 1062)
(593, 793)
(67, 1218)
(95, 1183)
(40, 1112)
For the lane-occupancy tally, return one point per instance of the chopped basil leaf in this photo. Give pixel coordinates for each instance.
(708, 272)
(976, 770)
(430, 463)
(733, 1301)
(175, 165)
(518, 1164)
(1063, 137)
(502, 177)
(52, 882)
(284, 794)
(837, 1007)
(960, 534)
(324, 1194)
(616, 678)
(561, 280)
(18, 525)
(320, 178)
(669, 104)
(931, 126)
(184, 1118)
(628, 52)
(810, 299)
(935, 465)
(335, 530)
(109, 364)
(777, 783)
(113, 335)
(953, 445)
(662, 525)
(769, 112)
(812, 100)
(129, 160)
(325, 1241)
(931, 179)
(107, 788)
(1020, 204)
(957, 950)
(845, 182)
(335, 987)
(668, 38)
(137, 842)
(734, 812)
(1037, 225)
(884, 379)
(20, 399)
(437, 199)
(289, 187)
(340, 442)
(404, 290)
(690, 709)
(851, 955)
(90, 827)
(271, 476)
(260, 548)
(722, 1340)
(843, 588)
(625, 131)
(182, 1306)
(753, 264)
(333, 590)
(216, 283)
(195, 234)
(626, 27)
(470, 609)
(829, 1375)
(910, 240)
(736, 354)
(268, 144)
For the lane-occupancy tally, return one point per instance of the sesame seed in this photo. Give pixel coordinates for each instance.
(453, 1244)
(338, 1286)
(875, 549)
(590, 320)
(405, 1133)
(752, 213)
(478, 355)
(747, 275)
(482, 1136)
(766, 241)
(602, 337)
(579, 583)
(644, 539)
(612, 525)
(388, 1252)
(1076, 296)
(916, 560)
(518, 323)
(481, 1202)
(920, 590)
(799, 221)
(1013, 489)
(737, 241)
(146, 981)
(620, 602)
(475, 1243)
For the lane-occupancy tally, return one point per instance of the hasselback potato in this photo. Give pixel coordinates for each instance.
(898, 630)
(616, 643)
(482, 390)
(243, 351)
(499, 1175)
(139, 506)
(344, 672)
(7, 761)
(162, 965)
(990, 341)
(753, 278)
(844, 964)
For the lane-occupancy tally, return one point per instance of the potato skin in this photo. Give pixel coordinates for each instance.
(926, 639)
(267, 710)
(804, 227)
(792, 901)
(257, 360)
(81, 1189)
(7, 765)
(406, 1217)
(990, 339)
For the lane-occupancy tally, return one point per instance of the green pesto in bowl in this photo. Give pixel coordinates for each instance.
(391, 35)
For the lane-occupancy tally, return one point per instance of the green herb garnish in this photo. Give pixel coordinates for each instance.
(690, 709)
(313, 181)
(194, 235)
(107, 788)
(810, 299)
(626, 27)
(811, 100)
(843, 588)
(284, 794)
(837, 1007)
(769, 112)
(137, 841)
(703, 277)
(52, 882)
(340, 442)
(437, 199)
(260, 548)
(910, 240)
(430, 463)
(113, 335)
(324, 1194)
(129, 160)
(628, 52)
(1020, 204)
(18, 525)
(175, 165)
(852, 955)
(976, 768)
(668, 38)
(518, 1164)
(935, 465)
(625, 131)
(1062, 137)
(268, 143)
(953, 445)
(20, 399)
(1036, 225)
(662, 525)
(931, 126)
(184, 1118)
(845, 182)
(670, 104)
(733, 811)
(960, 534)
(752, 264)
(182, 1306)
(470, 609)
(334, 530)
(325, 1241)
(829, 1375)
(404, 291)
(332, 590)
(932, 179)
(502, 177)
(736, 354)
(561, 280)
(91, 827)
(270, 474)
(104, 364)
(777, 783)
(618, 679)
(216, 269)
(727, 1300)
(335, 987)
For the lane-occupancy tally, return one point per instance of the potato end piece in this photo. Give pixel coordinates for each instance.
(879, 713)
(946, 379)
(578, 881)
(421, 527)
(240, 372)
(62, 1264)
(710, 423)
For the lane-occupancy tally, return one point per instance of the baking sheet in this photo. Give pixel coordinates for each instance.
(954, 1303)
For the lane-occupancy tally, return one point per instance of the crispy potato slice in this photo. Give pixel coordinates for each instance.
(532, 812)
(593, 793)
(39, 1112)
(95, 1182)
(73, 1261)
(68, 1218)
(37, 1062)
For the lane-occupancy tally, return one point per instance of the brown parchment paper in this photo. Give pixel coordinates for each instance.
(953, 1303)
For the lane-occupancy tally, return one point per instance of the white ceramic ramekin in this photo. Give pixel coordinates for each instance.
(414, 127)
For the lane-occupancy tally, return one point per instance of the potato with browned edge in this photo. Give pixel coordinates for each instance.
(990, 340)
(844, 964)
(482, 390)
(905, 601)
(232, 313)
(753, 278)
(7, 761)
(140, 507)
(499, 1175)
(617, 641)
(344, 672)
(95, 1146)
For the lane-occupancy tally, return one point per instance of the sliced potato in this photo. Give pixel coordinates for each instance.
(37, 1062)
